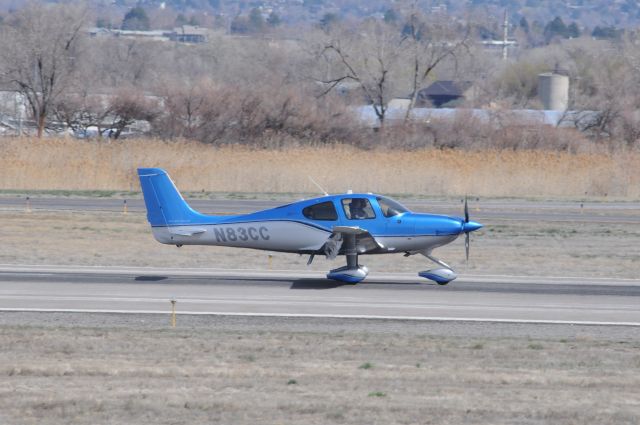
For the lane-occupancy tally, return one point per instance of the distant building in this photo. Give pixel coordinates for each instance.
(581, 120)
(553, 90)
(183, 34)
(140, 35)
(444, 94)
(399, 103)
(189, 34)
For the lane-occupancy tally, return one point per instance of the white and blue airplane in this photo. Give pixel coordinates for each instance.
(351, 224)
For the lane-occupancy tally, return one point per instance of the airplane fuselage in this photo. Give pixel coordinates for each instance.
(297, 236)
(297, 233)
(350, 224)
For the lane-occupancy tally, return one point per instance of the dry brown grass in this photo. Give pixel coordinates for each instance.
(30, 164)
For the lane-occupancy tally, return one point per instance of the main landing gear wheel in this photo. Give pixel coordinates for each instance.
(352, 272)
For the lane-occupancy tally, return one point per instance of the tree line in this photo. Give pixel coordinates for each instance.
(302, 87)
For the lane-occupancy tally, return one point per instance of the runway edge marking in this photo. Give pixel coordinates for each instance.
(289, 274)
(329, 316)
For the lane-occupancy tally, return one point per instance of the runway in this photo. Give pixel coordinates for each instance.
(481, 210)
(515, 299)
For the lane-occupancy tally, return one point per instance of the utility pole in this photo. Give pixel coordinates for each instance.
(505, 37)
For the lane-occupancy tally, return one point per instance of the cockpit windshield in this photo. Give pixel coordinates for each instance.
(390, 207)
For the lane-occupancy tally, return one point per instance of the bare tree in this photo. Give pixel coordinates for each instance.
(368, 56)
(112, 112)
(429, 42)
(114, 62)
(80, 110)
(39, 49)
(127, 107)
(603, 74)
(185, 103)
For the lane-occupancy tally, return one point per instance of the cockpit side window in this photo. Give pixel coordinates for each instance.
(321, 211)
(390, 207)
(358, 209)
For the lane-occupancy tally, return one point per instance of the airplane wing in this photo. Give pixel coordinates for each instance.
(365, 242)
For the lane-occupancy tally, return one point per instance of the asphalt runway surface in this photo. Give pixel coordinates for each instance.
(475, 299)
(490, 210)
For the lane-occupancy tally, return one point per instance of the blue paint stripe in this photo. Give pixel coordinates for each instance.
(230, 223)
(344, 277)
(408, 235)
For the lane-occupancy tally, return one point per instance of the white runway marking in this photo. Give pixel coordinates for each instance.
(391, 296)
(331, 316)
(304, 274)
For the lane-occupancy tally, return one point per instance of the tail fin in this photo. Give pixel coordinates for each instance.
(165, 205)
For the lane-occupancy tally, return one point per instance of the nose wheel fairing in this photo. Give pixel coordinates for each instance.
(440, 276)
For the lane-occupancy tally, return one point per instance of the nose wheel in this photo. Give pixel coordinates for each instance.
(442, 275)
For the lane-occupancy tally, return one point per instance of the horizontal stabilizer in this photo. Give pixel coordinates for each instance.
(186, 231)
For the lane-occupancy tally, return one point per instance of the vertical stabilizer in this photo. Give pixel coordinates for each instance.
(165, 205)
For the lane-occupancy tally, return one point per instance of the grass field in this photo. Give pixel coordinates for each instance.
(68, 164)
(61, 375)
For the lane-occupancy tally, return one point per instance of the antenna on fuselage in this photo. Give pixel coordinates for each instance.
(318, 186)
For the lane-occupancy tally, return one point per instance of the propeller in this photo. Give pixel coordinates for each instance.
(466, 235)
(468, 227)
(466, 247)
(466, 210)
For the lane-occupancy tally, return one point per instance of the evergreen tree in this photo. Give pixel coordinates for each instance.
(100, 22)
(240, 25)
(555, 28)
(180, 20)
(524, 25)
(390, 16)
(328, 20)
(606, 32)
(273, 20)
(256, 21)
(136, 19)
(573, 31)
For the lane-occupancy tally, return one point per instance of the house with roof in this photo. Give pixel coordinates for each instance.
(188, 34)
(444, 94)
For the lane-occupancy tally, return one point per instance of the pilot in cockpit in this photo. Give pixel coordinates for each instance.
(356, 207)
